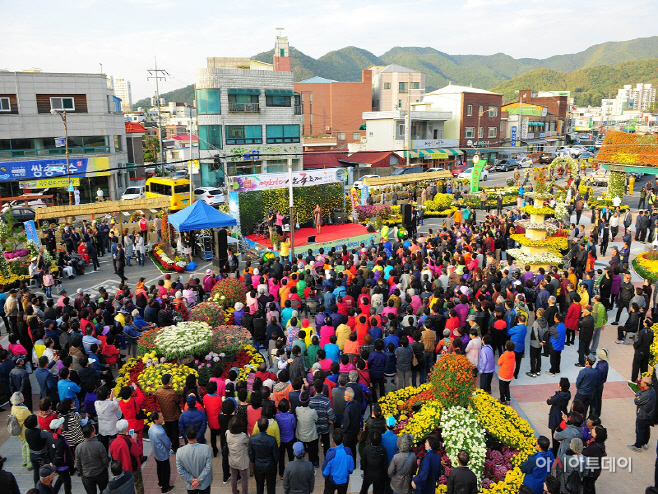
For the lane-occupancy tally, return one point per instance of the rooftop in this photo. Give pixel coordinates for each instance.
(456, 89)
(317, 80)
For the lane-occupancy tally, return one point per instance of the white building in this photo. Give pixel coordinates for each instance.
(122, 90)
(395, 86)
(615, 106)
(641, 96)
(30, 144)
(248, 116)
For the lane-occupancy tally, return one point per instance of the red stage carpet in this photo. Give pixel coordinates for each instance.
(329, 233)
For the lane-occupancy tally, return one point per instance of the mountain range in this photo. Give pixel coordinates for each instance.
(483, 71)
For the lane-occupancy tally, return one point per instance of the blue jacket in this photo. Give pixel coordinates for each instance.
(558, 344)
(390, 444)
(517, 335)
(376, 362)
(47, 383)
(429, 472)
(131, 331)
(587, 382)
(537, 471)
(338, 464)
(390, 366)
(160, 442)
(194, 417)
(68, 389)
(486, 361)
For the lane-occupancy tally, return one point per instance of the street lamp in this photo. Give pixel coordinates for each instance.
(62, 114)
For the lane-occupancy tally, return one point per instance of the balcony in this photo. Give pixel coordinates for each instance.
(244, 107)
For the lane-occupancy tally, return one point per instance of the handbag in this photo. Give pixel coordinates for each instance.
(139, 413)
(362, 435)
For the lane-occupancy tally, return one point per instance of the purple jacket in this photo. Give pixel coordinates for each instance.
(486, 362)
(287, 423)
(616, 284)
(462, 313)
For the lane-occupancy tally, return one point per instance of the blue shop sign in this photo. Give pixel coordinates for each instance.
(26, 170)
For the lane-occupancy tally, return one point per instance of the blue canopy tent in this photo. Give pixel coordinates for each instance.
(199, 216)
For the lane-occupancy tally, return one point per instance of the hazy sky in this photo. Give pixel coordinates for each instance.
(125, 35)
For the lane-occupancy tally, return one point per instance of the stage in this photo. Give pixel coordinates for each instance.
(349, 234)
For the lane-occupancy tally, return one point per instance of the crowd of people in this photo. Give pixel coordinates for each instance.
(340, 330)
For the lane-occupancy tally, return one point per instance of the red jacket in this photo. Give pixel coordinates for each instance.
(130, 409)
(121, 452)
(213, 405)
(573, 315)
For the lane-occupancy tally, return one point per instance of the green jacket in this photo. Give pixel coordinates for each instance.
(600, 315)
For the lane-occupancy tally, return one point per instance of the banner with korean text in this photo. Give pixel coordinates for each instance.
(271, 181)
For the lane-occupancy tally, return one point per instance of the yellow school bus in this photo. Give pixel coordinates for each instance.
(178, 190)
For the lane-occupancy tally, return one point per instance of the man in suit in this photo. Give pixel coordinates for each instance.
(628, 220)
(642, 347)
(120, 258)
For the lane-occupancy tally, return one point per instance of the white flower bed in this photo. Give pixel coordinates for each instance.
(522, 258)
(186, 338)
(461, 431)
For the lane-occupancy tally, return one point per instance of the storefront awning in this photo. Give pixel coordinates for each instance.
(434, 154)
(278, 92)
(534, 141)
(242, 90)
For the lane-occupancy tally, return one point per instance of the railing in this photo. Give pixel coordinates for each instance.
(244, 107)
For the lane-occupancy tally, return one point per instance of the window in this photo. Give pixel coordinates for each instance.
(480, 110)
(278, 97)
(279, 134)
(247, 103)
(469, 132)
(210, 137)
(401, 129)
(207, 102)
(244, 134)
(480, 132)
(402, 86)
(491, 132)
(5, 104)
(387, 85)
(399, 103)
(356, 136)
(502, 126)
(415, 85)
(62, 104)
(493, 111)
(340, 136)
(117, 144)
(469, 110)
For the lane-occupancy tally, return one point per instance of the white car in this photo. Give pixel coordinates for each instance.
(484, 176)
(525, 162)
(179, 175)
(578, 149)
(134, 192)
(211, 195)
(434, 170)
(359, 183)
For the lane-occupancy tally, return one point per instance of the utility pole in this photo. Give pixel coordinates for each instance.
(408, 120)
(155, 74)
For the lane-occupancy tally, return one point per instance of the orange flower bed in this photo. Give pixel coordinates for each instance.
(453, 380)
(629, 149)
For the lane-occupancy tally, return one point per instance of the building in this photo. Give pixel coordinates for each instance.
(615, 106)
(474, 120)
(122, 90)
(641, 96)
(386, 131)
(395, 86)
(333, 108)
(172, 114)
(540, 130)
(177, 148)
(135, 133)
(249, 117)
(34, 107)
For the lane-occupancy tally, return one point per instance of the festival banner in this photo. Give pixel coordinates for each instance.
(271, 181)
(35, 169)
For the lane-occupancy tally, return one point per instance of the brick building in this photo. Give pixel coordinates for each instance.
(334, 108)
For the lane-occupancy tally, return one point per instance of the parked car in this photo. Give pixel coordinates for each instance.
(21, 214)
(457, 169)
(434, 170)
(577, 150)
(133, 192)
(211, 195)
(359, 183)
(545, 158)
(407, 169)
(179, 175)
(525, 162)
(505, 165)
(586, 155)
(484, 176)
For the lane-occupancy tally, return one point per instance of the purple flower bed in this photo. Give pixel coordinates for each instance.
(18, 253)
(366, 212)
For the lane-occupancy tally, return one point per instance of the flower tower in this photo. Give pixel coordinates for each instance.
(540, 247)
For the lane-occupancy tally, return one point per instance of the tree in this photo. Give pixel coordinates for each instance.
(151, 149)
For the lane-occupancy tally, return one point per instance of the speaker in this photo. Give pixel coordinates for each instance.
(405, 212)
(222, 245)
(370, 228)
(339, 216)
(311, 239)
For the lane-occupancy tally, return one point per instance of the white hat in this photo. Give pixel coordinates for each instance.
(179, 294)
(122, 425)
(33, 259)
(238, 306)
(92, 360)
(208, 271)
(135, 313)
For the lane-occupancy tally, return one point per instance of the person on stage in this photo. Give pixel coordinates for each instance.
(317, 217)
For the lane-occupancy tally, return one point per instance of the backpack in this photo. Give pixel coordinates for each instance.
(574, 483)
(13, 427)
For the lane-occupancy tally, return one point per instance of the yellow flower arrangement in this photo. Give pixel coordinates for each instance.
(393, 401)
(553, 243)
(533, 210)
(425, 421)
(151, 377)
(646, 265)
(123, 379)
